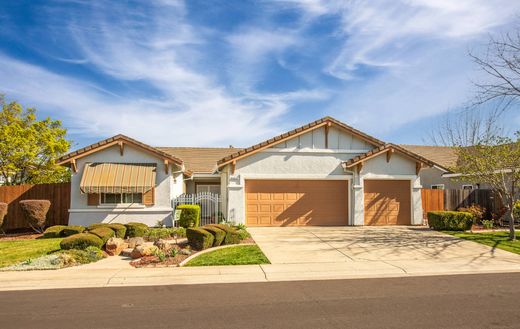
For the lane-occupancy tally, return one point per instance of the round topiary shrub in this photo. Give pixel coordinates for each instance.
(136, 230)
(190, 215)
(104, 233)
(35, 213)
(81, 241)
(119, 229)
(218, 234)
(72, 229)
(55, 231)
(3, 213)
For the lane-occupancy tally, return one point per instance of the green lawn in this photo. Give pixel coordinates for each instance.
(498, 240)
(238, 255)
(12, 252)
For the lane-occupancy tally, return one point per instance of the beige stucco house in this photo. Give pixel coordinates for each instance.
(323, 173)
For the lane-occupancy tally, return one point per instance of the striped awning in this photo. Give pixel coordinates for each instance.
(118, 177)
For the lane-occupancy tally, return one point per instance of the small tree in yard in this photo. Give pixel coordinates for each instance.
(35, 213)
(29, 147)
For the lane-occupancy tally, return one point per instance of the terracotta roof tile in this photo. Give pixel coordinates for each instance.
(200, 159)
(443, 155)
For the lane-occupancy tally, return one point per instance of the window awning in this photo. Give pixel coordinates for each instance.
(118, 177)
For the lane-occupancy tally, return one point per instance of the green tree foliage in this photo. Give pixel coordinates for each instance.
(29, 147)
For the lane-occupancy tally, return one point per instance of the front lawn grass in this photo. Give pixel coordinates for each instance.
(237, 255)
(16, 251)
(498, 240)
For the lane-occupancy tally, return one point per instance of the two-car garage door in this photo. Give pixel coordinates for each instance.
(324, 202)
(296, 202)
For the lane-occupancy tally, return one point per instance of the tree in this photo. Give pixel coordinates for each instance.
(29, 147)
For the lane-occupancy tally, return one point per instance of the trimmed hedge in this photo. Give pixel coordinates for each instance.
(104, 233)
(72, 229)
(3, 213)
(199, 238)
(119, 230)
(190, 215)
(55, 231)
(450, 220)
(136, 230)
(96, 225)
(218, 234)
(35, 213)
(81, 241)
(232, 235)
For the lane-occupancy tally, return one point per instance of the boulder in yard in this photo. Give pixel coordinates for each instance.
(143, 250)
(134, 242)
(114, 246)
(163, 245)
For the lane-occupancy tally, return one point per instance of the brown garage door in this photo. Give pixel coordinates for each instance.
(387, 202)
(296, 202)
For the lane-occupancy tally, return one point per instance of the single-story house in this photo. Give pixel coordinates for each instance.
(323, 173)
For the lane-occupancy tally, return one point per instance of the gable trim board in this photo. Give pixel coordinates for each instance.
(317, 162)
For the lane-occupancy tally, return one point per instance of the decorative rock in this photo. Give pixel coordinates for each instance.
(114, 246)
(143, 250)
(186, 252)
(127, 252)
(163, 245)
(134, 242)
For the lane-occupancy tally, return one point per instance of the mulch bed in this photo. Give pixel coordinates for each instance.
(154, 261)
(19, 236)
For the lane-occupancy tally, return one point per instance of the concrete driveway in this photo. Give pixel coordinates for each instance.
(410, 250)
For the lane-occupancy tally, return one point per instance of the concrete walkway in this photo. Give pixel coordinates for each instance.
(316, 253)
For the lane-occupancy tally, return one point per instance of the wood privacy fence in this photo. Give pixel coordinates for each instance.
(433, 200)
(57, 194)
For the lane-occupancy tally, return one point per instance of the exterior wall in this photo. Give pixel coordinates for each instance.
(432, 176)
(166, 189)
(399, 168)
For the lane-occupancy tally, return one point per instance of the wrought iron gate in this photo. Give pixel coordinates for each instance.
(210, 206)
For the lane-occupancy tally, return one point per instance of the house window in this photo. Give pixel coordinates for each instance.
(438, 187)
(121, 198)
(215, 189)
(467, 187)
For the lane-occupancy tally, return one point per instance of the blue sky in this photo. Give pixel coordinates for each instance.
(215, 73)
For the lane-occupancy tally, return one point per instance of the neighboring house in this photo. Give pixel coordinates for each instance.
(323, 173)
(438, 177)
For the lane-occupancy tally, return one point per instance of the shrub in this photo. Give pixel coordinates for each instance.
(89, 255)
(96, 225)
(450, 220)
(488, 224)
(155, 233)
(190, 215)
(72, 229)
(477, 211)
(81, 241)
(516, 210)
(35, 213)
(199, 239)
(136, 229)
(232, 236)
(179, 231)
(104, 233)
(55, 231)
(119, 229)
(218, 234)
(3, 213)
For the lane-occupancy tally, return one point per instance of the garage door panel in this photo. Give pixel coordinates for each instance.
(387, 202)
(297, 203)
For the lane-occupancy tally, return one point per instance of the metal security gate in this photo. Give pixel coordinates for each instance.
(210, 206)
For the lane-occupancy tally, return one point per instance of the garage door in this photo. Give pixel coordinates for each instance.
(387, 202)
(296, 202)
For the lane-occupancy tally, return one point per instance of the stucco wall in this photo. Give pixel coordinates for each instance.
(431, 176)
(166, 188)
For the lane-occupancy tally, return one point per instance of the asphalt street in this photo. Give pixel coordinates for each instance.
(460, 301)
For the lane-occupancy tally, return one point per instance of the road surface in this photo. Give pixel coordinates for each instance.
(461, 301)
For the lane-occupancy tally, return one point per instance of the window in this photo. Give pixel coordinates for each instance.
(438, 187)
(215, 189)
(467, 187)
(121, 198)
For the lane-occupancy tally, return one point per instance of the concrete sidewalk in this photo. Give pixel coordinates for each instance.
(107, 274)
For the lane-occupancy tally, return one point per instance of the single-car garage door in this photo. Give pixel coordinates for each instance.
(296, 202)
(387, 202)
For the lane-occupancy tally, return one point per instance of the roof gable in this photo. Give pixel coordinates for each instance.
(200, 159)
(324, 122)
(120, 140)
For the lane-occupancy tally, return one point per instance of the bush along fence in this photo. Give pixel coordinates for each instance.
(57, 194)
(438, 200)
(210, 206)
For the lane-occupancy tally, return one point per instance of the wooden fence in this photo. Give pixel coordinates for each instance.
(433, 200)
(57, 194)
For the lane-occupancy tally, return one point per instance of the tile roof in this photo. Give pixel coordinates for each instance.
(200, 159)
(445, 156)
